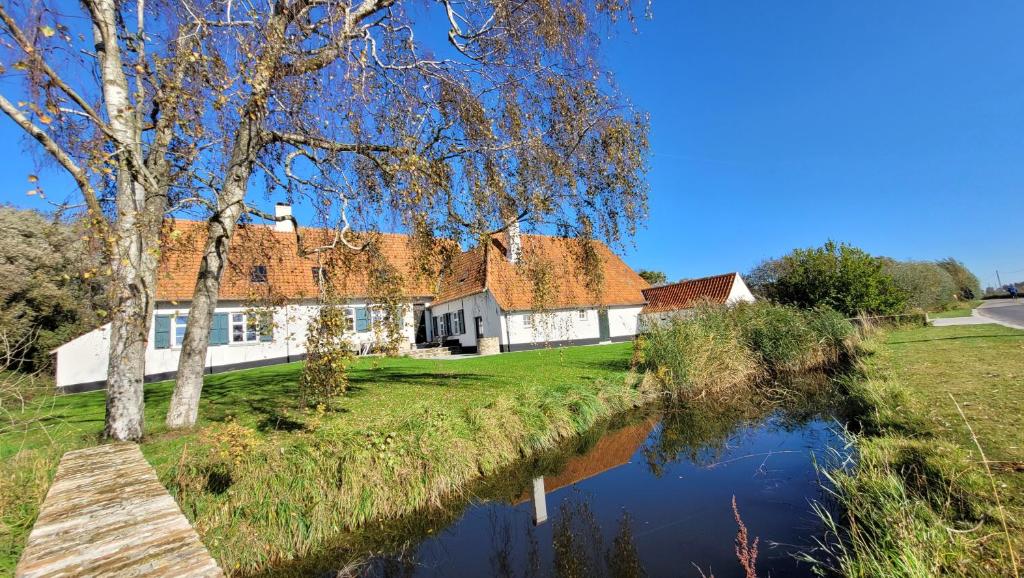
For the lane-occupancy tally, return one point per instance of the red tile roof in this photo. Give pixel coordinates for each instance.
(553, 260)
(687, 294)
(290, 276)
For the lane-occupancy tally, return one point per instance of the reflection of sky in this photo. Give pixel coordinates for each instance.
(682, 516)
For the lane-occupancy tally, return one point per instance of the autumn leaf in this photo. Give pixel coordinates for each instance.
(47, 31)
(33, 179)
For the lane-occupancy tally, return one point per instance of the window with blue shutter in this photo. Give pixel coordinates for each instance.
(162, 332)
(219, 329)
(362, 319)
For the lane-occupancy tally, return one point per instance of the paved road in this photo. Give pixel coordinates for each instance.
(1005, 311)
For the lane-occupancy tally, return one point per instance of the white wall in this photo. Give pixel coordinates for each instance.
(84, 359)
(739, 292)
(568, 325)
(478, 305)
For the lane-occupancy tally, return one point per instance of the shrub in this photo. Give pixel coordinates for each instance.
(966, 283)
(697, 354)
(839, 276)
(927, 285)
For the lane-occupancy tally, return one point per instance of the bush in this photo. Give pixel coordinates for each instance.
(927, 285)
(839, 276)
(966, 283)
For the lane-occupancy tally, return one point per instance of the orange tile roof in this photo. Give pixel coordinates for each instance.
(289, 276)
(686, 294)
(554, 259)
(611, 451)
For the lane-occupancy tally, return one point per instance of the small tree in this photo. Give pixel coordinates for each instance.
(328, 353)
(653, 277)
(108, 95)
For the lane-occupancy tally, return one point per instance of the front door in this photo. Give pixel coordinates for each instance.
(419, 318)
(602, 323)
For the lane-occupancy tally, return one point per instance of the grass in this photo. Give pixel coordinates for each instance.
(962, 311)
(719, 348)
(265, 481)
(921, 500)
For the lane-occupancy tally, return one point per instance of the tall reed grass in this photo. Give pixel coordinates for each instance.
(717, 348)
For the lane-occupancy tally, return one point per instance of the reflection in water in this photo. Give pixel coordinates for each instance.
(649, 496)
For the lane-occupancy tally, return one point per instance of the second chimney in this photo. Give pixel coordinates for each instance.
(286, 225)
(515, 242)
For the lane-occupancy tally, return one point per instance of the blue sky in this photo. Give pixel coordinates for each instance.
(895, 126)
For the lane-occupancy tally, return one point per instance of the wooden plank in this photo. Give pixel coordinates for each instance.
(107, 514)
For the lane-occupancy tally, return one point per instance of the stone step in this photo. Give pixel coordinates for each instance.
(433, 352)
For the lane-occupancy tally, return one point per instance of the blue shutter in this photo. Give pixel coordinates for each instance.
(462, 321)
(362, 319)
(219, 329)
(162, 332)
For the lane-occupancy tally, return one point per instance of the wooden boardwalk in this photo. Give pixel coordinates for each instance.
(107, 514)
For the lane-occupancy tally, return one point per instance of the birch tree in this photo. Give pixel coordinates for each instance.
(105, 100)
(445, 119)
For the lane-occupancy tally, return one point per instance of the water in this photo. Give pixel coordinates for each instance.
(651, 495)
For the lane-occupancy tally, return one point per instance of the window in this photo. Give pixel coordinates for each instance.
(258, 274)
(459, 322)
(528, 320)
(583, 314)
(178, 329)
(350, 319)
(250, 328)
(318, 275)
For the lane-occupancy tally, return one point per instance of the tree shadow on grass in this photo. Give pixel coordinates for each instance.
(390, 377)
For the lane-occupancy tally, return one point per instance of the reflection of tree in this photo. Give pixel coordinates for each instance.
(700, 430)
(623, 558)
(579, 548)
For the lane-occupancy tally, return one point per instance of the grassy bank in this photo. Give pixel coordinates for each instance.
(921, 500)
(265, 481)
(962, 311)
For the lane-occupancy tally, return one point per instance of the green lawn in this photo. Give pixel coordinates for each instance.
(921, 500)
(964, 311)
(264, 479)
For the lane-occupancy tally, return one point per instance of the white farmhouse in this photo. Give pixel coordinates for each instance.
(486, 302)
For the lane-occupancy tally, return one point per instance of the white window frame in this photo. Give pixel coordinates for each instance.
(249, 323)
(178, 320)
(583, 315)
(350, 320)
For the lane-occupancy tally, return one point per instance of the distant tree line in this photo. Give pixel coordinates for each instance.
(852, 281)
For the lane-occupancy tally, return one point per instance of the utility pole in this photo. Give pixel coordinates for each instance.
(1000, 281)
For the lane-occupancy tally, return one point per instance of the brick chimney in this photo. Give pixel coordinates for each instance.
(285, 226)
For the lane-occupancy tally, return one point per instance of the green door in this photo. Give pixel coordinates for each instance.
(602, 322)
